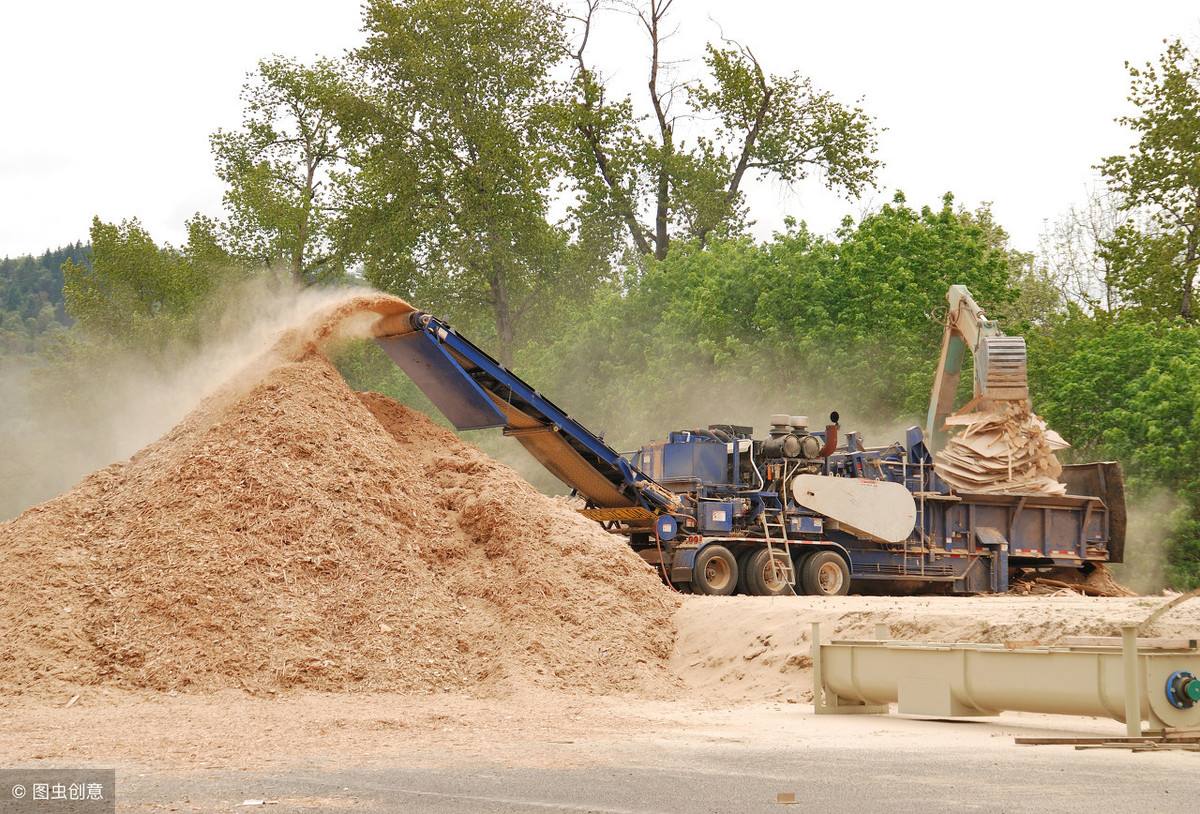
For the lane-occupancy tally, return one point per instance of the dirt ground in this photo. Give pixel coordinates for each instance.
(736, 659)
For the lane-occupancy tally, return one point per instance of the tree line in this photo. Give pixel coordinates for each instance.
(32, 309)
(470, 157)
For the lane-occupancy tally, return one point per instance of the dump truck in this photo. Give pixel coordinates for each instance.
(802, 509)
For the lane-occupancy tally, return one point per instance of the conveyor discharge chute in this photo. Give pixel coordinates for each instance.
(474, 391)
(443, 380)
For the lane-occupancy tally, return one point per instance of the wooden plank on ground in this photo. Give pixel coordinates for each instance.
(1115, 641)
(1080, 741)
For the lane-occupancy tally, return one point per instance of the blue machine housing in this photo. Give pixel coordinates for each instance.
(685, 459)
(715, 516)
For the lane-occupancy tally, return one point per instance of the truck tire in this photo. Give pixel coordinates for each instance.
(715, 572)
(743, 557)
(798, 562)
(826, 574)
(762, 577)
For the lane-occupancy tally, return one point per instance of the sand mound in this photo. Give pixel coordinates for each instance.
(290, 533)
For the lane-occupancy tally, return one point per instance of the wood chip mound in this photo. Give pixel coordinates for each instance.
(290, 533)
(1006, 449)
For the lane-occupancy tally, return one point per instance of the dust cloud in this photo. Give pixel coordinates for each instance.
(1150, 522)
(65, 420)
(700, 396)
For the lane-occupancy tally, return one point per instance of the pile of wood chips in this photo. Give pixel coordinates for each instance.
(1005, 449)
(290, 533)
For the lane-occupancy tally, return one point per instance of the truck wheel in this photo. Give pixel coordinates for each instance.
(743, 558)
(715, 572)
(798, 562)
(826, 574)
(764, 574)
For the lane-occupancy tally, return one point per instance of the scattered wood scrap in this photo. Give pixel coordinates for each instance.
(1086, 590)
(1186, 740)
(1004, 449)
(1154, 617)
(1059, 581)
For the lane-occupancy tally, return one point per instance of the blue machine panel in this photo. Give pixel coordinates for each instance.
(806, 525)
(704, 461)
(715, 515)
(443, 380)
(666, 527)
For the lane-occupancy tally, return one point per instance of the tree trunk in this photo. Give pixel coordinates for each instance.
(1189, 281)
(503, 314)
(662, 198)
(1189, 262)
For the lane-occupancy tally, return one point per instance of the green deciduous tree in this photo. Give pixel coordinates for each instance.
(893, 271)
(740, 330)
(280, 199)
(451, 140)
(659, 184)
(448, 162)
(1120, 388)
(1155, 260)
(134, 292)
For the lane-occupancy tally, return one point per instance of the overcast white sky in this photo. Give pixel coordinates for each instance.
(107, 106)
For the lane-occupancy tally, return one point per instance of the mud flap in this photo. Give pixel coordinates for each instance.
(681, 564)
(997, 546)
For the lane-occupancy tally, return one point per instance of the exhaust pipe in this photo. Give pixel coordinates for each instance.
(831, 436)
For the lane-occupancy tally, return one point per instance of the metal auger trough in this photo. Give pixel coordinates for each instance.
(1130, 680)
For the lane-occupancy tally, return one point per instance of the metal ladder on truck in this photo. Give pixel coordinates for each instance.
(779, 549)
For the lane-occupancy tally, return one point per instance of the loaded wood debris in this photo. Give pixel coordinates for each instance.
(1003, 449)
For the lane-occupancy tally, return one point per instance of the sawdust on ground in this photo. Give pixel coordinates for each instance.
(736, 657)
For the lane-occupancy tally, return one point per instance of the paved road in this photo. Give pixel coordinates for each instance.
(982, 771)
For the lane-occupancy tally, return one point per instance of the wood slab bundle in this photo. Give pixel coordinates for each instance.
(1004, 449)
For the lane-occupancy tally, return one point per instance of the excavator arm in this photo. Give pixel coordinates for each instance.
(1001, 370)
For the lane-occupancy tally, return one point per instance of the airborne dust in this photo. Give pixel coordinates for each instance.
(62, 422)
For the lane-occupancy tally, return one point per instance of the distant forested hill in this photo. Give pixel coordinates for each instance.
(31, 299)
